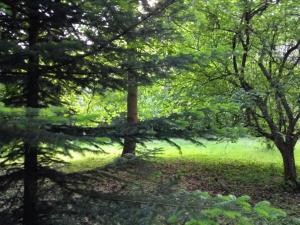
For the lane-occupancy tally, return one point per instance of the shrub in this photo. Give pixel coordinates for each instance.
(181, 208)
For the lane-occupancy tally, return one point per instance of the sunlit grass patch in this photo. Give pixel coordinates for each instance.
(247, 151)
(89, 160)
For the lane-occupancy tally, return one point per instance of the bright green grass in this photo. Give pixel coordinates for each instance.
(245, 150)
(88, 161)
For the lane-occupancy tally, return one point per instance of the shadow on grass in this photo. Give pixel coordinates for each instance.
(103, 194)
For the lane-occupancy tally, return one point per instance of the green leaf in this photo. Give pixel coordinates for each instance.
(172, 219)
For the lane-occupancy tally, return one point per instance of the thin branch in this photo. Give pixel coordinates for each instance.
(286, 56)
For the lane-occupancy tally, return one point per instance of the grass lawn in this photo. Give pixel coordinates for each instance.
(243, 167)
(245, 151)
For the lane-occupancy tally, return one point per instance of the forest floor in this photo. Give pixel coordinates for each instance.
(242, 168)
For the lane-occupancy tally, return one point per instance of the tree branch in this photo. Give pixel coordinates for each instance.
(286, 56)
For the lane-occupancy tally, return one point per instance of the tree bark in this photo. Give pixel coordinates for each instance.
(132, 114)
(30, 185)
(289, 164)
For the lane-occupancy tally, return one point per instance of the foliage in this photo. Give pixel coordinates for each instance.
(56, 129)
(188, 208)
(248, 53)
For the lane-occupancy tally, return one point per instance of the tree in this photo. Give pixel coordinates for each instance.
(255, 53)
(142, 58)
(142, 65)
(47, 49)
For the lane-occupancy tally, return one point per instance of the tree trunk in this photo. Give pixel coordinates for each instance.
(132, 114)
(290, 172)
(32, 98)
(30, 185)
(129, 147)
(289, 164)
